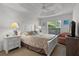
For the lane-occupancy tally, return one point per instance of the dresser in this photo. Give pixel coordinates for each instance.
(72, 46)
(11, 43)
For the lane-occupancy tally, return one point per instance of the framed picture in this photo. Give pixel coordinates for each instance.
(66, 22)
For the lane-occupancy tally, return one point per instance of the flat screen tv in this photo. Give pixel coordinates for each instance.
(73, 28)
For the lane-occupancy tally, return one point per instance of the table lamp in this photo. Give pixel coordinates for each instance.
(15, 26)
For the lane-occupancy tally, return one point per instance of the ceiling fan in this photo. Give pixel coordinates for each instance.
(50, 7)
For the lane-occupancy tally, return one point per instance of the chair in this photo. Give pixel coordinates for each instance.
(62, 38)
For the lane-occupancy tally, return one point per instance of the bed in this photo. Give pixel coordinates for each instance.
(51, 44)
(41, 43)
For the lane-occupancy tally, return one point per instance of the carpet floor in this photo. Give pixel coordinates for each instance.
(60, 50)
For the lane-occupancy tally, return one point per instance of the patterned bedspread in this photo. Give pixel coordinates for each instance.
(39, 41)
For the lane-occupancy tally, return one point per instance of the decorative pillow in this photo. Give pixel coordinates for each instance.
(32, 33)
(29, 33)
(25, 33)
(63, 34)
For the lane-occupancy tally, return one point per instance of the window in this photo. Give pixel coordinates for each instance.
(54, 26)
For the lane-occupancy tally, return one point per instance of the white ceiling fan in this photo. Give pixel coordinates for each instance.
(51, 7)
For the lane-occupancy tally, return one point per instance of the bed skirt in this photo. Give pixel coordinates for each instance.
(35, 49)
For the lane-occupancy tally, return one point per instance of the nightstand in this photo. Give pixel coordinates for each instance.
(11, 43)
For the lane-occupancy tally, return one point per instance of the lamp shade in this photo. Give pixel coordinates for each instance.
(39, 27)
(14, 25)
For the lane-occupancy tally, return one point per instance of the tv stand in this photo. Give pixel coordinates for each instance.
(72, 46)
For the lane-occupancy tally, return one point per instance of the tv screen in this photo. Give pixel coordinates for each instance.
(73, 27)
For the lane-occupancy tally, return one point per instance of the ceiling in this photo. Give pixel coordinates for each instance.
(43, 9)
(53, 9)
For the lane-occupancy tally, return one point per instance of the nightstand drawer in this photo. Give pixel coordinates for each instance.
(11, 43)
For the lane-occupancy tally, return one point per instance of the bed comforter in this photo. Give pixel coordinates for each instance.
(39, 41)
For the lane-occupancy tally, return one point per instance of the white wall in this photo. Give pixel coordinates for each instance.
(7, 16)
(27, 19)
(64, 28)
(10, 13)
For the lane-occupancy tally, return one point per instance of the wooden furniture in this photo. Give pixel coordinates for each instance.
(72, 46)
(11, 43)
